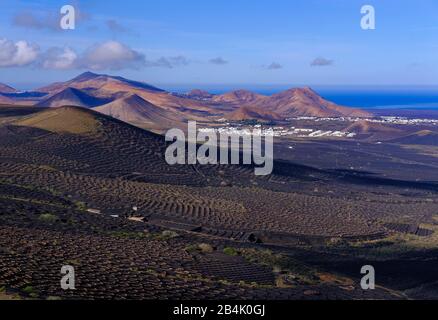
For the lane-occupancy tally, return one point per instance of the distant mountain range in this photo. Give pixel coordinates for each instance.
(290, 103)
(153, 108)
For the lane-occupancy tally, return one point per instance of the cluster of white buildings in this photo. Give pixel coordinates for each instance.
(258, 130)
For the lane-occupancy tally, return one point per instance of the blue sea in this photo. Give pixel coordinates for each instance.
(368, 97)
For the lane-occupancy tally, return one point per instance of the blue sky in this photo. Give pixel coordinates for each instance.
(223, 42)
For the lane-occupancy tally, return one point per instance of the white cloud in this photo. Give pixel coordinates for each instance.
(17, 54)
(111, 55)
(61, 59)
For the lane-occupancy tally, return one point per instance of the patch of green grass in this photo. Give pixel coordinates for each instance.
(48, 217)
(81, 206)
(167, 235)
(395, 246)
(202, 247)
(230, 251)
(30, 291)
(281, 265)
(128, 234)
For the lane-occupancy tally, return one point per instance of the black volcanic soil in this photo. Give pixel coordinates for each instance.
(51, 174)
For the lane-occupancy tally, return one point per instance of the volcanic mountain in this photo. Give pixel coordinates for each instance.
(239, 97)
(72, 120)
(112, 87)
(199, 94)
(95, 90)
(90, 80)
(135, 110)
(6, 89)
(253, 113)
(290, 103)
(306, 102)
(72, 97)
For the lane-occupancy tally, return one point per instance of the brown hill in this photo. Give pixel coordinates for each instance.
(423, 137)
(239, 97)
(374, 131)
(68, 119)
(306, 102)
(290, 103)
(6, 89)
(253, 113)
(72, 97)
(89, 80)
(5, 100)
(199, 94)
(363, 126)
(135, 110)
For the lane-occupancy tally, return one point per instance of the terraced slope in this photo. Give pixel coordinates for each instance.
(57, 164)
(114, 166)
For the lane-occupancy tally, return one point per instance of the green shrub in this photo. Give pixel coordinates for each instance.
(48, 217)
(28, 289)
(169, 234)
(230, 251)
(202, 247)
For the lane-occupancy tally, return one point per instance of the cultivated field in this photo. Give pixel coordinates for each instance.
(202, 232)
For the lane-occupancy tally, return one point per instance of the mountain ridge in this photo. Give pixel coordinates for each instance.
(98, 81)
(73, 97)
(253, 113)
(4, 88)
